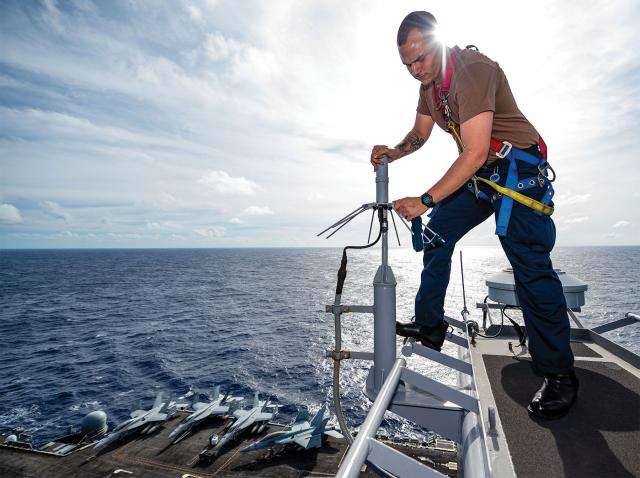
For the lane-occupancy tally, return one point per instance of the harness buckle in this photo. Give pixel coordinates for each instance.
(543, 167)
(504, 150)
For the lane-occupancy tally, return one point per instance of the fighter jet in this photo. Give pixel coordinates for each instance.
(304, 433)
(255, 417)
(143, 421)
(201, 412)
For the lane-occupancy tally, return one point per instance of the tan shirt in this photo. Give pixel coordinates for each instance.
(478, 84)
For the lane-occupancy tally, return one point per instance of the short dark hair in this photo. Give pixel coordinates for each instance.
(424, 22)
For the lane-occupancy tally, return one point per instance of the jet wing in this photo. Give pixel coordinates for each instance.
(137, 413)
(199, 406)
(138, 424)
(308, 441)
(263, 417)
(240, 414)
(332, 432)
(156, 417)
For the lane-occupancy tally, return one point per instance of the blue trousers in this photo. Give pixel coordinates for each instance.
(528, 242)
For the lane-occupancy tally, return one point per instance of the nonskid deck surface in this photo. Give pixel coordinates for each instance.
(150, 457)
(600, 437)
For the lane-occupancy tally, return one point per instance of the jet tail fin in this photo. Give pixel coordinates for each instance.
(158, 400)
(319, 417)
(303, 416)
(216, 393)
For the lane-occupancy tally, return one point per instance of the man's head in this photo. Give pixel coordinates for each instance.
(419, 49)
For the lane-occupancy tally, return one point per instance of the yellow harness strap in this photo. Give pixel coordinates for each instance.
(515, 195)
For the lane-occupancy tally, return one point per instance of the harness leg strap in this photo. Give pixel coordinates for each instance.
(507, 203)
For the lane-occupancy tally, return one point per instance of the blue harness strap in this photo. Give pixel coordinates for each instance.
(514, 183)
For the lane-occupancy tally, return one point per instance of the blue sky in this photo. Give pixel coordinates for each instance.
(226, 123)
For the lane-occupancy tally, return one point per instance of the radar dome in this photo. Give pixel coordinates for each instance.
(11, 439)
(95, 423)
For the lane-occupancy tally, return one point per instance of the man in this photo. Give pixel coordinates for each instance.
(467, 95)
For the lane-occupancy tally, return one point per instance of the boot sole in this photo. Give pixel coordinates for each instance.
(554, 416)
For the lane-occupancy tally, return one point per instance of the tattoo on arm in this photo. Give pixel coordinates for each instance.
(411, 143)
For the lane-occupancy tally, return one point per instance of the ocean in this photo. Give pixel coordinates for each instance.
(82, 330)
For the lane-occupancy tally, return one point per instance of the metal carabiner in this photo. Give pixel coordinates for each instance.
(476, 190)
(543, 171)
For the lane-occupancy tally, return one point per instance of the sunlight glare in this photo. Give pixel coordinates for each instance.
(443, 35)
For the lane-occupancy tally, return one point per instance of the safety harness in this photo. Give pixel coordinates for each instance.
(503, 149)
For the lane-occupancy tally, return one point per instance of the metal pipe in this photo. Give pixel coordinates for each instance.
(336, 372)
(382, 181)
(474, 458)
(359, 450)
(336, 400)
(385, 239)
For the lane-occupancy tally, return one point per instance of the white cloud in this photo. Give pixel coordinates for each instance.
(223, 183)
(125, 235)
(211, 232)
(257, 211)
(576, 219)
(162, 225)
(55, 210)
(68, 234)
(218, 47)
(621, 224)
(313, 197)
(236, 220)
(9, 214)
(194, 13)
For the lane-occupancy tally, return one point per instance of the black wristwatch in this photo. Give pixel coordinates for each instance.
(427, 200)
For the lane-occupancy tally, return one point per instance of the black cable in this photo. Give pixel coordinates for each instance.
(522, 337)
(502, 314)
(342, 272)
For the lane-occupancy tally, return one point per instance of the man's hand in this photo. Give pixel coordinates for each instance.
(410, 208)
(381, 150)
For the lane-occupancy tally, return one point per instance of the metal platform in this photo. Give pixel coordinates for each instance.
(600, 437)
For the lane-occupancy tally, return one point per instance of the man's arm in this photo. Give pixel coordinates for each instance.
(476, 135)
(413, 141)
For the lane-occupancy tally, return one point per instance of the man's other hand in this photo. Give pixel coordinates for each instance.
(381, 150)
(410, 208)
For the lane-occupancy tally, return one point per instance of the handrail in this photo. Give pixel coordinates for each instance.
(359, 450)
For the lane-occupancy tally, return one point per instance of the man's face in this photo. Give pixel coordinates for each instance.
(423, 59)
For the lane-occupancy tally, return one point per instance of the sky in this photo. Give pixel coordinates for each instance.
(216, 123)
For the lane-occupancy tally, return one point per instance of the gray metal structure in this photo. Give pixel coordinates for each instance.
(466, 413)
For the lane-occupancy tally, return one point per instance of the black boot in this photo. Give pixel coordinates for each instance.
(432, 337)
(554, 399)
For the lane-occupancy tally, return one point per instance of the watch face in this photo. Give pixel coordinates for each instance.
(427, 200)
